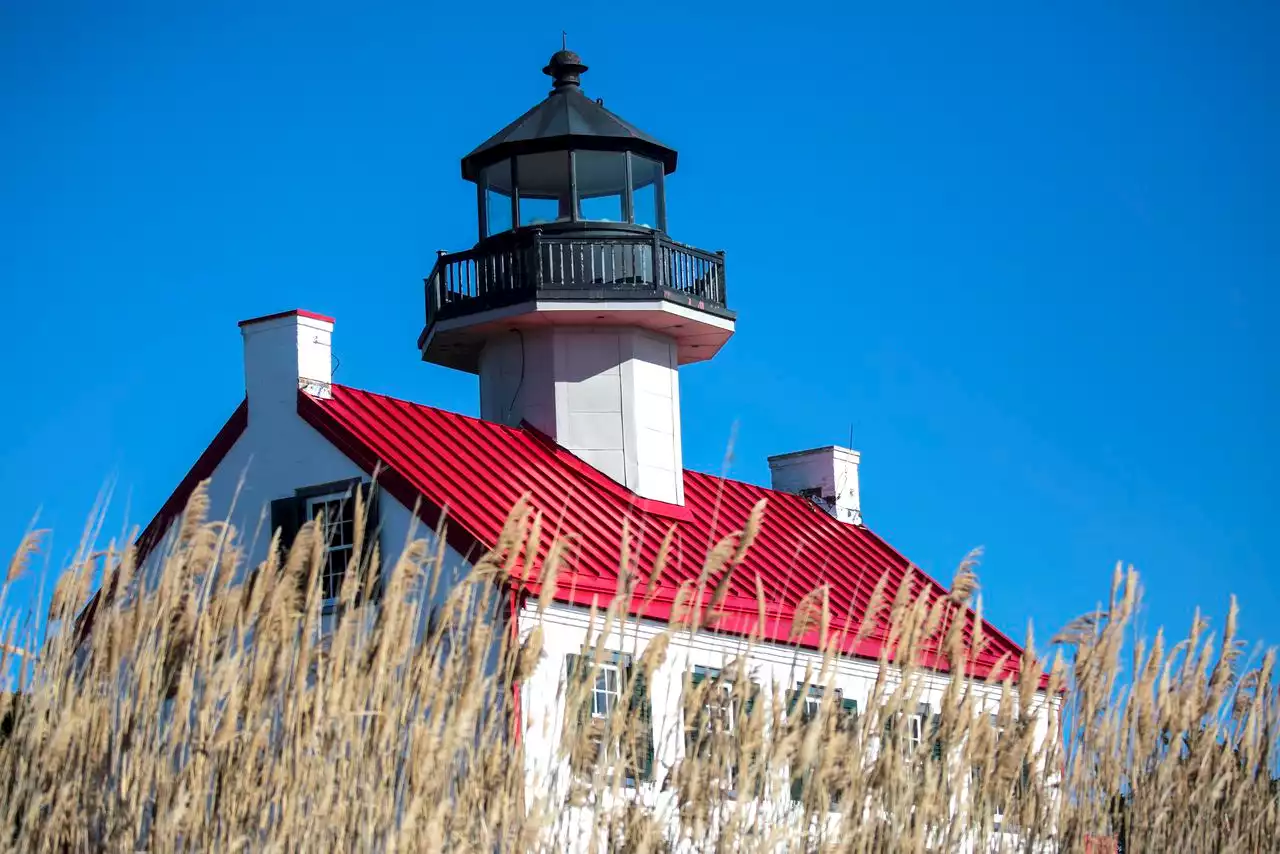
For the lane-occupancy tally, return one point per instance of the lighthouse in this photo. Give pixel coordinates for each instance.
(575, 307)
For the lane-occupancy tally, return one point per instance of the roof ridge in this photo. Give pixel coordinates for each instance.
(477, 419)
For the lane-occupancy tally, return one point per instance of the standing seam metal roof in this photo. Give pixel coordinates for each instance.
(474, 471)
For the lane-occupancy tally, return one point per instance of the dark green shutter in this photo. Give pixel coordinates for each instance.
(753, 691)
(797, 774)
(693, 717)
(575, 674)
(642, 709)
(286, 517)
(797, 786)
(936, 724)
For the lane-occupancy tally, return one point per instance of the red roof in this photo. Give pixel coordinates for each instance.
(476, 470)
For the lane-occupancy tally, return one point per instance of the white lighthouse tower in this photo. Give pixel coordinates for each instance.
(575, 307)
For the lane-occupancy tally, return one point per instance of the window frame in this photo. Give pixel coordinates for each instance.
(613, 697)
(347, 515)
(915, 733)
(623, 159)
(659, 192)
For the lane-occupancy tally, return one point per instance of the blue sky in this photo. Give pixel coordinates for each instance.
(1029, 255)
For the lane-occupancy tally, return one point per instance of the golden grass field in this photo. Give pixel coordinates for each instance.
(202, 714)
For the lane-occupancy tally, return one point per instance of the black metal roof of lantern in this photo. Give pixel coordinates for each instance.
(566, 119)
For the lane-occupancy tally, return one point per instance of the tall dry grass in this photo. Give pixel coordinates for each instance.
(203, 713)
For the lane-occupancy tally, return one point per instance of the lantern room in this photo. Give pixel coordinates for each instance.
(569, 160)
(571, 207)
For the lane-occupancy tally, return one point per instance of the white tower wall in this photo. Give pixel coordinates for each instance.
(611, 395)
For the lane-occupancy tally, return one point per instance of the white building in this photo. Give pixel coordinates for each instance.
(576, 321)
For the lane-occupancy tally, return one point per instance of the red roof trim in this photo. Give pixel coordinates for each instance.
(599, 478)
(298, 312)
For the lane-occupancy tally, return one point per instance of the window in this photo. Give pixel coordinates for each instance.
(1004, 801)
(907, 732)
(915, 734)
(498, 188)
(335, 504)
(607, 691)
(543, 182)
(601, 736)
(843, 721)
(336, 516)
(720, 711)
(602, 185)
(646, 192)
(711, 725)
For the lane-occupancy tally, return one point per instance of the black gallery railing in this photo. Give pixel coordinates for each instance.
(521, 265)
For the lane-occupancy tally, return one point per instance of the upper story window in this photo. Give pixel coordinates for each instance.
(811, 702)
(609, 717)
(715, 711)
(607, 691)
(333, 508)
(335, 514)
(841, 717)
(907, 731)
(915, 733)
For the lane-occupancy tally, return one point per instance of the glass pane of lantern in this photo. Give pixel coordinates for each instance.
(544, 187)
(497, 201)
(602, 181)
(646, 178)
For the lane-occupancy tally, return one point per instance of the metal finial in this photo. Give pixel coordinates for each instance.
(564, 40)
(565, 68)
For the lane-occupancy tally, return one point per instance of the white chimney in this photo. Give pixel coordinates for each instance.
(283, 353)
(828, 476)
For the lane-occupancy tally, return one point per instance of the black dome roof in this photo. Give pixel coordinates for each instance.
(566, 119)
